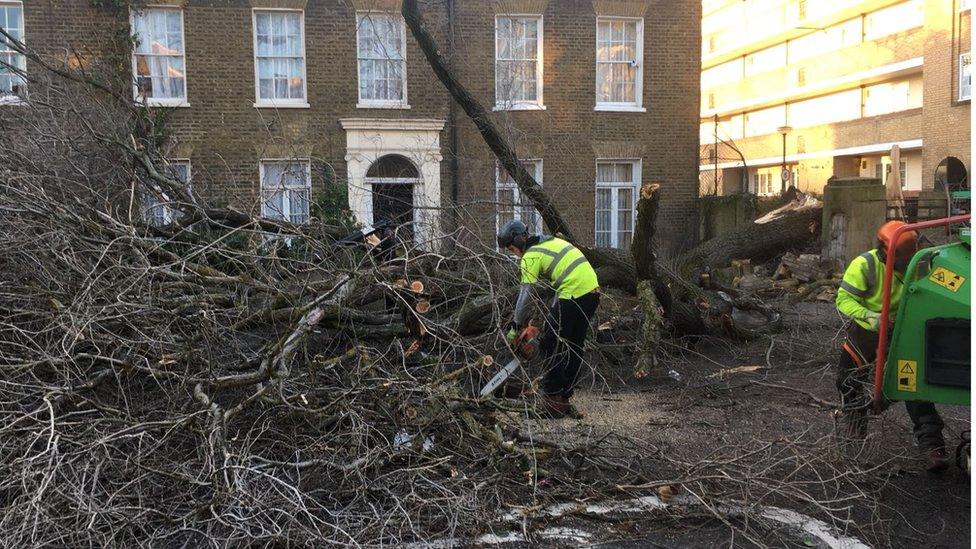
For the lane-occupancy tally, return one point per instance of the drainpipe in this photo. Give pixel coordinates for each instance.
(452, 122)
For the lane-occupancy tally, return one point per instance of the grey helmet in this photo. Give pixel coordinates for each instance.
(514, 233)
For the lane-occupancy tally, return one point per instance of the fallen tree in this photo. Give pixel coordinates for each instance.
(226, 379)
(690, 310)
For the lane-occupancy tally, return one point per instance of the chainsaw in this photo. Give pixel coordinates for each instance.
(526, 347)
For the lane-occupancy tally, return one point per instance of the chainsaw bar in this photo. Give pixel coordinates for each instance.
(500, 377)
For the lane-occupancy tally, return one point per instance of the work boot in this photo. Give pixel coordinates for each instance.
(572, 411)
(937, 460)
(552, 406)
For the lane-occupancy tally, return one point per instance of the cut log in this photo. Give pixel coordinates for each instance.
(807, 267)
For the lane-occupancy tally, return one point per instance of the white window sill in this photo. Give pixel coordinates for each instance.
(520, 107)
(12, 100)
(964, 99)
(382, 105)
(619, 108)
(150, 102)
(276, 105)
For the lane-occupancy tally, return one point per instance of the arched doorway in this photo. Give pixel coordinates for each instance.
(951, 175)
(391, 180)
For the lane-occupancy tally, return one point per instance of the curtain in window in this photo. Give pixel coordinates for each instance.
(158, 209)
(616, 61)
(382, 66)
(280, 55)
(512, 204)
(12, 21)
(604, 217)
(516, 61)
(965, 76)
(285, 191)
(615, 186)
(158, 54)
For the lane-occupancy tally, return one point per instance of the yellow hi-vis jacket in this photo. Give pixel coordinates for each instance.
(862, 287)
(562, 265)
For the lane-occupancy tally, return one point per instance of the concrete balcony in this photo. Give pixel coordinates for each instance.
(856, 137)
(742, 32)
(865, 63)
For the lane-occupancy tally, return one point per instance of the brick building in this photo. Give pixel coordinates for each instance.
(273, 100)
(845, 81)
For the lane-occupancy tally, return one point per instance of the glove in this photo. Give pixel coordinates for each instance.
(511, 336)
(873, 319)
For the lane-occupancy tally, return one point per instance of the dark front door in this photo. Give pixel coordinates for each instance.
(394, 202)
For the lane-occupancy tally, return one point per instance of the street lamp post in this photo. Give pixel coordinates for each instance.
(784, 174)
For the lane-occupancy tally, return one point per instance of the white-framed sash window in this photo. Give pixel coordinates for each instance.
(279, 58)
(158, 56)
(159, 210)
(617, 182)
(518, 62)
(382, 60)
(511, 203)
(965, 76)
(13, 65)
(619, 63)
(286, 189)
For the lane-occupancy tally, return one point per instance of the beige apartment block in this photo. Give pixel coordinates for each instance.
(845, 81)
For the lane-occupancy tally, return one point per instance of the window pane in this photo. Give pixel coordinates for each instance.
(159, 53)
(625, 216)
(516, 60)
(965, 76)
(298, 205)
(280, 55)
(285, 191)
(381, 57)
(603, 218)
(617, 62)
(272, 204)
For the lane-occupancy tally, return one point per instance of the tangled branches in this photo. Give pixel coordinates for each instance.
(226, 378)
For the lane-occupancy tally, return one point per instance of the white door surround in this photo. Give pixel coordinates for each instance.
(418, 140)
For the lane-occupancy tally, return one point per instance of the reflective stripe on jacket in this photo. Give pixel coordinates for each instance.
(562, 265)
(862, 287)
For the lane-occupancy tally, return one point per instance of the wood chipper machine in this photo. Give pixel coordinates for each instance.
(928, 358)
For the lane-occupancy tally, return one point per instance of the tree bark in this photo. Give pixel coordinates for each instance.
(753, 241)
(649, 284)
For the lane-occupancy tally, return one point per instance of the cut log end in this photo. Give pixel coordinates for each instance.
(422, 306)
(417, 286)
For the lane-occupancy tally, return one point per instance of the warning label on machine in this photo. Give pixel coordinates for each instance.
(947, 279)
(907, 375)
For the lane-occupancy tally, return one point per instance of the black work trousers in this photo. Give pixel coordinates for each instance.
(562, 342)
(853, 376)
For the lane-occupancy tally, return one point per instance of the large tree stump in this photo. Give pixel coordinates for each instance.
(649, 284)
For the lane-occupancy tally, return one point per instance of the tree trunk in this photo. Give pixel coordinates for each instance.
(614, 267)
(754, 241)
(649, 285)
(482, 119)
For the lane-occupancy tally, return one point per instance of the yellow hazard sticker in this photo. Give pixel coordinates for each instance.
(947, 279)
(907, 375)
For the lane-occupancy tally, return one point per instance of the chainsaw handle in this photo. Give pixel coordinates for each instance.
(527, 333)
